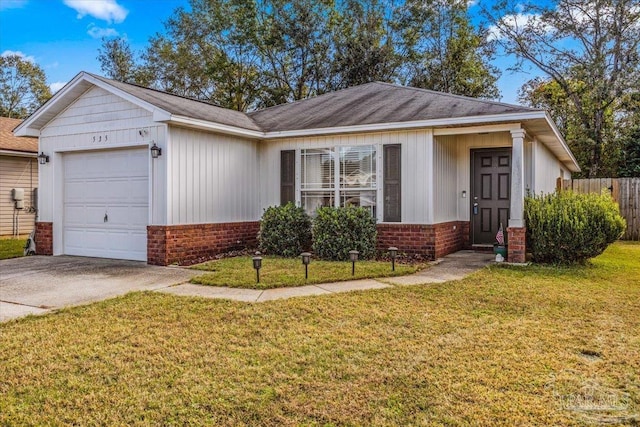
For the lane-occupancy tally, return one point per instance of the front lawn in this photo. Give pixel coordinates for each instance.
(504, 347)
(276, 272)
(12, 248)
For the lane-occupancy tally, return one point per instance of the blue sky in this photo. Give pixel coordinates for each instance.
(63, 36)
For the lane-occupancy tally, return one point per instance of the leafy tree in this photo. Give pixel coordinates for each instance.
(208, 54)
(547, 94)
(446, 53)
(248, 54)
(116, 60)
(23, 86)
(293, 39)
(630, 158)
(596, 42)
(364, 45)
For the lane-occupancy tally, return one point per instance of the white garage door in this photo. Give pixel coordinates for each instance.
(106, 204)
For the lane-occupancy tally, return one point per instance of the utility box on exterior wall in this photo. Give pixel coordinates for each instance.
(17, 194)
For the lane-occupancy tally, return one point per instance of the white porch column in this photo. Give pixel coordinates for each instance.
(516, 217)
(430, 193)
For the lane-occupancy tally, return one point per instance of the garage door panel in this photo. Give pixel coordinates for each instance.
(83, 215)
(127, 217)
(112, 182)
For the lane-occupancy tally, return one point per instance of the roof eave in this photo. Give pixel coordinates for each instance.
(17, 153)
(29, 127)
(211, 126)
(573, 167)
(430, 123)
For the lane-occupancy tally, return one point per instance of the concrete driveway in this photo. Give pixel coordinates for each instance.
(38, 284)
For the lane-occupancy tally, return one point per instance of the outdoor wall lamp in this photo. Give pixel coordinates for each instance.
(306, 259)
(257, 264)
(155, 151)
(393, 252)
(353, 256)
(43, 158)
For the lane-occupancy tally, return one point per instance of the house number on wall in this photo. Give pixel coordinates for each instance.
(100, 138)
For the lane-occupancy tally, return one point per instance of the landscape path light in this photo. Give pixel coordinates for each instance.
(306, 259)
(393, 252)
(353, 256)
(257, 264)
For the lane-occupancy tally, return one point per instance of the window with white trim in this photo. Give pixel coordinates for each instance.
(339, 176)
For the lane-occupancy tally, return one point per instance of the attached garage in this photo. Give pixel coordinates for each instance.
(106, 204)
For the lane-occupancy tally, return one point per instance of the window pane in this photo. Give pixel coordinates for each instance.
(317, 169)
(312, 200)
(365, 199)
(358, 167)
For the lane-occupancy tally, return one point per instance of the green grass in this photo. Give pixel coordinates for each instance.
(11, 248)
(504, 347)
(279, 272)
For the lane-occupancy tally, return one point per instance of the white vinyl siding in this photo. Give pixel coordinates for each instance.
(445, 178)
(212, 178)
(546, 169)
(95, 111)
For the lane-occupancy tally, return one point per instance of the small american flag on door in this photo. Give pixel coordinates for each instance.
(500, 235)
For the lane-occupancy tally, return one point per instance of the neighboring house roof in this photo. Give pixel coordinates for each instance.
(374, 103)
(366, 108)
(10, 142)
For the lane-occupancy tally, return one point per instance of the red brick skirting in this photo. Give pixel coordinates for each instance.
(434, 241)
(44, 238)
(169, 244)
(517, 244)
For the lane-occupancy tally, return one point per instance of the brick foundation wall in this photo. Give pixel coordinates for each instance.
(516, 250)
(433, 241)
(168, 244)
(44, 238)
(451, 237)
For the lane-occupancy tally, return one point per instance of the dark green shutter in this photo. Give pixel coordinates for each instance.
(391, 186)
(287, 176)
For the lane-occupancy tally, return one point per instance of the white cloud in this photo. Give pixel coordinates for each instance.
(20, 54)
(56, 86)
(12, 4)
(98, 32)
(106, 10)
(515, 21)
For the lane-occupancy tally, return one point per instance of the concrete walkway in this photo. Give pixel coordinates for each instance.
(452, 267)
(39, 284)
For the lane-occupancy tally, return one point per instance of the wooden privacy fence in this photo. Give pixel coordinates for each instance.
(625, 191)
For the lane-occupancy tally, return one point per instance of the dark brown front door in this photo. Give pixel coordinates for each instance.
(490, 195)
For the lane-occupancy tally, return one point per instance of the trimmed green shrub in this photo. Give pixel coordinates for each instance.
(336, 231)
(285, 230)
(568, 228)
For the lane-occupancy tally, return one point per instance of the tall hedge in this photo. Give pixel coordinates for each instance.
(567, 227)
(285, 230)
(336, 231)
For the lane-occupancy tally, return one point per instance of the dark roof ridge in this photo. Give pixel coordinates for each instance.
(453, 95)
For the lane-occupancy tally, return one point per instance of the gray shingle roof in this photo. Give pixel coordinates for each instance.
(375, 103)
(186, 107)
(371, 103)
